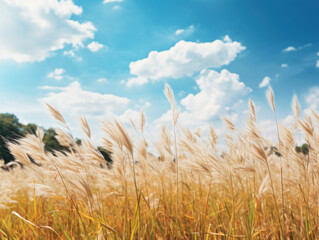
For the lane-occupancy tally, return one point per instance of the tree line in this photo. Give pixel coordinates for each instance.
(11, 129)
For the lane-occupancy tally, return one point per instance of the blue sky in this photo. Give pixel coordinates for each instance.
(113, 58)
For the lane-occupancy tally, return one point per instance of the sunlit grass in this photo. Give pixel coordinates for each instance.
(193, 191)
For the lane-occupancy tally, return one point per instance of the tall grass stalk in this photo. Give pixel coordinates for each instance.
(271, 100)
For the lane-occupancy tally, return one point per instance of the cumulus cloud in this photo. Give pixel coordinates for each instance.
(265, 82)
(73, 99)
(183, 59)
(219, 94)
(187, 31)
(317, 64)
(95, 46)
(128, 115)
(136, 81)
(31, 30)
(284, 65)
(57, 74)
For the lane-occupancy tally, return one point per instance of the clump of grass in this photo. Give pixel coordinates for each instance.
(191, 191)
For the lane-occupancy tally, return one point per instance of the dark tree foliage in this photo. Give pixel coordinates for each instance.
(11, 130)
(30, 128)
(106, 154)
(303, 149)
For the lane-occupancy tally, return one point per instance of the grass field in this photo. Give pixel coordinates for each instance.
(193, 190)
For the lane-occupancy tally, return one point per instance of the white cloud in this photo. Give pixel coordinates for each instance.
(227, 38)
(102, 80)
(289, 120)
(290, 49)
(179, 31)
(184, 59)
(69, 53)
(317, 64)
(219, 94)
(76, 101)
(57, 74)
(312, 98)
(128, 115)
(317, 53)
(268, 129)
(284, 65)
(293, 49)
(112, 1)
(265, 82)
(136, 81)
(188, 31)
(95, 46)
(31, 30)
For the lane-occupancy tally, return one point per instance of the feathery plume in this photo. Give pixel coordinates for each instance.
(270, 98)
(252, 110)
(85, 127)
(56, 114)
(229, 124)
(295, 107)
(142, 121)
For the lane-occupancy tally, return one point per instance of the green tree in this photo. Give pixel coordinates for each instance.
(303, 149)
(10, 130)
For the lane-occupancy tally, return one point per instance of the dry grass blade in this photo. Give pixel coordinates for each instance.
(307, 126)
(169, 95)
(229, 124)
(63, 138)
(34, 225)
(295, 107)
(126, 139)
(19, 154)
(271, 98)
(259, 152)
(56, 114)
(252, 110)
(213, 137)
(85, 127)
(116, 131)
(142, 121)
(166, 141)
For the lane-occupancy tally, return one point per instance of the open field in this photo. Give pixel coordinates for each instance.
(191, 191)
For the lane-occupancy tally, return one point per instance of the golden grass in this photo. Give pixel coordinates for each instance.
(192, 191)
